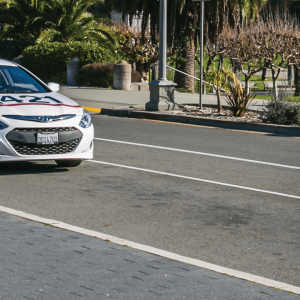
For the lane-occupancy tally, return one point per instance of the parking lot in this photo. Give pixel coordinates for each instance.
(225, 197)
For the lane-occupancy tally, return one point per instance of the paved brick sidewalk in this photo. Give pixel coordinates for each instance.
(41, 262)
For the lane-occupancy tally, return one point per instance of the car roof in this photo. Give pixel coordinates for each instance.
(4, 62)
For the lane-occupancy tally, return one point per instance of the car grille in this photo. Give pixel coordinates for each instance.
(34, 149)
(46, 129)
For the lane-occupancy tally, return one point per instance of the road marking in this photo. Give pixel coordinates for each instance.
(196, 179)
(200, 153)
(162, 253)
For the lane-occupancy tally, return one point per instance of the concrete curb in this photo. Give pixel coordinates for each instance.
(255, 127)
(92, 109)
(202, 264)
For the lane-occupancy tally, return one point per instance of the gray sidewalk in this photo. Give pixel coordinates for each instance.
(105, 98)
(41, 262)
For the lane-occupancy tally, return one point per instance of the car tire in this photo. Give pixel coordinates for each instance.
(68, 163)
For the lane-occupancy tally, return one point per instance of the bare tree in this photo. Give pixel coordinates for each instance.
(262, 44)
(279, 47)
(244, 51)
(213, 51)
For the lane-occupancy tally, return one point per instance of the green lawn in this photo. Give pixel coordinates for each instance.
(290, 98)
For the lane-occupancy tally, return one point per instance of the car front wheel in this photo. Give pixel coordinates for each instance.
(68, 163)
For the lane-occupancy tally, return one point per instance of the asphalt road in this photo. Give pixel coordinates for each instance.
(236, 227)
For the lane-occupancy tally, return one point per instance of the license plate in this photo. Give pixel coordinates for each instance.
(47, 138)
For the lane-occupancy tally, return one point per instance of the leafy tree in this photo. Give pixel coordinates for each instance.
(143, 52)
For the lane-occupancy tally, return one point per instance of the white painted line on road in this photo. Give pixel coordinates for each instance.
(166, 254)
(201, 153)
(196, 179)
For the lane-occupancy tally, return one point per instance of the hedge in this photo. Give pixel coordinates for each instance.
(97, 74)
(12, 49)
(49, 60)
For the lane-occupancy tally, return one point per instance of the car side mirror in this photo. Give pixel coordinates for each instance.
(54, 87)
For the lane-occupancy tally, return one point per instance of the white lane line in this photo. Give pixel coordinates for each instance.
(196, 179)
(201, 153)
(162, 253)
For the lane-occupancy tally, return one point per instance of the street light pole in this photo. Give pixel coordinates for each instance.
(163, 41)
(162, 95)
(201, 53)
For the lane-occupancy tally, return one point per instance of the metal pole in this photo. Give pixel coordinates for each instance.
(201, 53)
(163, 41)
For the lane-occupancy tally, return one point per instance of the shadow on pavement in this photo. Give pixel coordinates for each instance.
(19, 168)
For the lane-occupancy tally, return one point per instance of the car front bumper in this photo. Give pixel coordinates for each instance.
(83, 150)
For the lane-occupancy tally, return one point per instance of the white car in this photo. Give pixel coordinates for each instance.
(37, 123)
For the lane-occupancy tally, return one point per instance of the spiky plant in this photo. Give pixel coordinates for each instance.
(238, 99)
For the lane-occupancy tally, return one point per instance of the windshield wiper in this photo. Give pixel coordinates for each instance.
(7, 91)
(12, 91)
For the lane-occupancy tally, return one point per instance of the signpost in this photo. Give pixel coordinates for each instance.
(201, 49)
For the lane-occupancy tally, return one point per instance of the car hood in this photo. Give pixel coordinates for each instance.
(42, 104)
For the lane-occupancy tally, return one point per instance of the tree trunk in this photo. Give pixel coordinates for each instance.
(247, 88)
(218, 91)
(264, 72)
(275, 88)
(183, 81)
(237, 70)
(134, 66)
(208, 64)
(155, 72)
(297, 80)
(290, 75)
(221, 61)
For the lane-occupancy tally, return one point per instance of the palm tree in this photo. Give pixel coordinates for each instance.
(71, 22)
(24, 19)
(36, 21)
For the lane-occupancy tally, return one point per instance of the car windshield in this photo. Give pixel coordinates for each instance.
(15, 80)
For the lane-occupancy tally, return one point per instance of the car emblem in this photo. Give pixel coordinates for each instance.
(44, 119)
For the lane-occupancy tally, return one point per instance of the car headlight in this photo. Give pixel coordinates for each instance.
(86, 120)
(3, 125)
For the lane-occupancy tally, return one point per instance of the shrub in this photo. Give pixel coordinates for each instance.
(49, 60)
(97, 74)
(282, 112)
(12, 49)
(135, 76)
